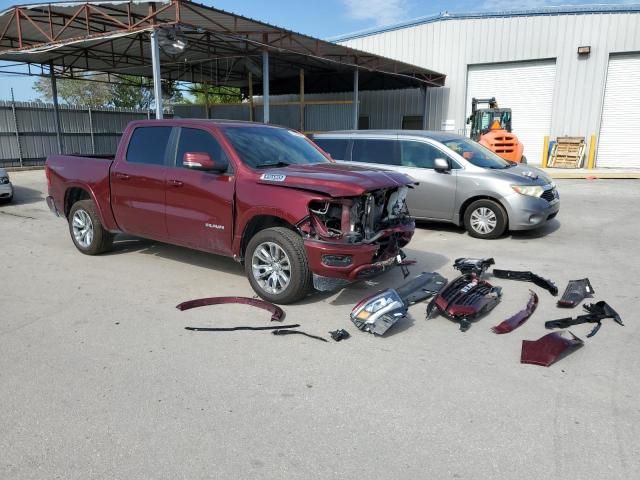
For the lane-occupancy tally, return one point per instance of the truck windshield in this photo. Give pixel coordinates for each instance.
(476, 154)
(264, 147)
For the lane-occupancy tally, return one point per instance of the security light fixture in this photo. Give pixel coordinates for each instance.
(171, 41)
(586, 50)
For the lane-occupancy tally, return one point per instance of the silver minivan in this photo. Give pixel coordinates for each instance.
(460, 181)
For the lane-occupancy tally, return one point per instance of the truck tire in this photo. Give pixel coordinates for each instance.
(485, 219)
(87, 232)
(276, 265)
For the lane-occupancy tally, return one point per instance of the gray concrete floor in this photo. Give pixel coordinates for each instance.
(98, 379)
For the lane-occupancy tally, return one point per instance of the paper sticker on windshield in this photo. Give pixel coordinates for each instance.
(273, 177)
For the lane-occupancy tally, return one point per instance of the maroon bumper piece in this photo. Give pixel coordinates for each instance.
(549, 349)
(519, 318)
(277, 314)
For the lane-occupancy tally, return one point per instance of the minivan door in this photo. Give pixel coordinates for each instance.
(435, 197)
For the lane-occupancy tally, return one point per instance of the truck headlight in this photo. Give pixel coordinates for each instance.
(377, 313)
(530, 190)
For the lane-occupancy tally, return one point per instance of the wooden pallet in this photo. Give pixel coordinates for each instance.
(568, 152)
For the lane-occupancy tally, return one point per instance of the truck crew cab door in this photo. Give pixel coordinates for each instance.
(138, 183)
(199, 204)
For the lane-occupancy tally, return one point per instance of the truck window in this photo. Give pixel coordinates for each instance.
(418, 154)
(263, 147)
(148, 145)
(336, 147)
(196, 140)
(384, 152)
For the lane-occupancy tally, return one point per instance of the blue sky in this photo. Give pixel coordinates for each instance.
(328, 18)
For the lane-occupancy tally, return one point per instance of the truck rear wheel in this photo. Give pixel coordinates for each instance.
(276, 265)
(87, 232)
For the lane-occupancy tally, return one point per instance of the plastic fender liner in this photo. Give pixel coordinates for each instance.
(549, 349)
(519, 318)
(465, 299)
(597, 312)
(277, 314)
(576, 291)
(527, 277)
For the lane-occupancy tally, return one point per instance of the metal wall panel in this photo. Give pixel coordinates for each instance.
(451, 45)
(36, 127)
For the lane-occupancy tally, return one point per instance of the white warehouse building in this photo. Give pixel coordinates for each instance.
(529, 61)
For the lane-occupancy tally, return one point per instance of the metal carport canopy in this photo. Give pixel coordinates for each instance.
(113, 37)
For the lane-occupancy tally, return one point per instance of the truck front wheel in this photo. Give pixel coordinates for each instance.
(276, 265)
(87, 232)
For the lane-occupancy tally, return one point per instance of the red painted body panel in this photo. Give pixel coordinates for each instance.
(210, 211)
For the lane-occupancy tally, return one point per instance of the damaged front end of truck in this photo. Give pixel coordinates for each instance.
(352, 238)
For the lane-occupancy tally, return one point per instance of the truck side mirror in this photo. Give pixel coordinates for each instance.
(201, 161)
(441, 165)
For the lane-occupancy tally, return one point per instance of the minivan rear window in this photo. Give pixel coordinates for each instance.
(336, 147)
(384, 152)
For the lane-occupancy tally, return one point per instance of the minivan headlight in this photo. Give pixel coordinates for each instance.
(530, 190)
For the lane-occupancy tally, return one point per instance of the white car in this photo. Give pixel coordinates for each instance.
(6, 189)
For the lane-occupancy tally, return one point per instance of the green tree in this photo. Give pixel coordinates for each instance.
(209, 94)
(75, 91)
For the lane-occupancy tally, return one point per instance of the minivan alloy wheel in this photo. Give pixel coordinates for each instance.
(483, 220)
(271, 267)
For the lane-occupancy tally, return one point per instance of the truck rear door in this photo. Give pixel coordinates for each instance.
(200, 203)
(138, 183)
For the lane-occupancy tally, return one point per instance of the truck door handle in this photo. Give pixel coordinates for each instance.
(122, 176)
(175, 183)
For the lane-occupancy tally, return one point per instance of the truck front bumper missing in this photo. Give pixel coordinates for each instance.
(335, 265)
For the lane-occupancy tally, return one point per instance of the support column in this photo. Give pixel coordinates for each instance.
(425, 111)
(265, 85)
(356, 113)
(15, 124)
(157, 79)
(250, 97)
(302, 100)
(93, 140)
(56, 109)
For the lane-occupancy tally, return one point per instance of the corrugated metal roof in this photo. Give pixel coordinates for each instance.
(444, 16)
(113, 36)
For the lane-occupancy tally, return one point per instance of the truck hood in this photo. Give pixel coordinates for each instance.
(334, 179)
(523, 175)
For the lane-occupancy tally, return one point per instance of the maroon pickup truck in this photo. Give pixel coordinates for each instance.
(267, 196)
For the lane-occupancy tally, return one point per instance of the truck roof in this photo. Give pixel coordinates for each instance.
(199, 121)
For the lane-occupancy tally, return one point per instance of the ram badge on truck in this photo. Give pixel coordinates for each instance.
(264, 195)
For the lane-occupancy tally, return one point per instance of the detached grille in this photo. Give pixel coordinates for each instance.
(549, 195)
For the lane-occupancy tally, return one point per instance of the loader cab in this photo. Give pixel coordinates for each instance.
(482, 121)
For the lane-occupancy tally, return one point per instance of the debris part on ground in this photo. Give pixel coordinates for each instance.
(596, 313)
(576, 291)
(549, 349)
(473, 265)
(340, 334)
(297, 332)
(277, 314)
(527, 277)
(464, 299)
(519, 318)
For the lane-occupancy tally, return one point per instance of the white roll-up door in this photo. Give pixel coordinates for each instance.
(526, 88)
(620, 114)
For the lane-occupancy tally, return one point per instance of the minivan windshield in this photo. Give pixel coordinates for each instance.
(476, 154)
(268, 147)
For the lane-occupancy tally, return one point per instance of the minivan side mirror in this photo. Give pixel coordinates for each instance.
(201, 161)
(441, 165)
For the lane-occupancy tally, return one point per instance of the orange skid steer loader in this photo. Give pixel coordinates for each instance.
(491, 127)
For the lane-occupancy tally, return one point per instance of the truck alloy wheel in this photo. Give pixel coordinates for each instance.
(271, 267)
(276, 265)
(485, 219)
(87, 232)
